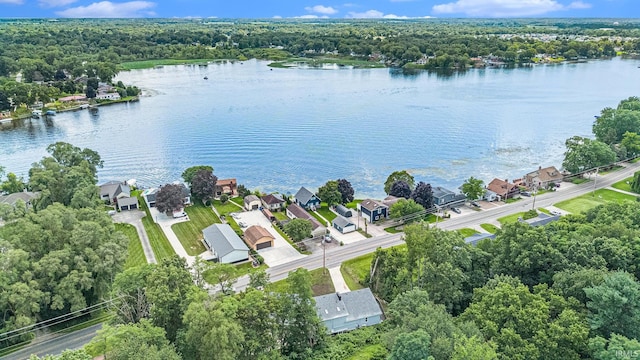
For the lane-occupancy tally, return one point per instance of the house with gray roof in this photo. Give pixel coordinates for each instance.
(373, 210)
(273, 202)
(348, 311)
(225, 244)
(26, 196)
(542, 219)
(118, 193)
(252, 202)
(295, 211)
(344, 225)
(446, 197)
(306, 199)
(149, 196)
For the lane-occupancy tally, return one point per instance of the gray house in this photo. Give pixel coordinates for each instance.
(344, 225)
(446, 197)
(226, 245)
(12, 199)
(306, 199)
(348, 311)
(119, 194)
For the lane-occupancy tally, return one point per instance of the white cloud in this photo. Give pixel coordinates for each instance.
(311, 16)
(394, 16)
(14, 2)
(108, 9)
(504, 8)
(370, 14)
(277, 17)
(321, 9)
(55, 3)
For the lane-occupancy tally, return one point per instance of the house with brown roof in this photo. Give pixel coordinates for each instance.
(273, 202)
(226, 186)
(543, 178)
(295, 211)
(503, 189)
(373, 210)
(258, 237)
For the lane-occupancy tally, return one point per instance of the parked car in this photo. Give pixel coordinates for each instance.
(556, 213)
(242, 225)
(179, 214)
(525, 193)
(456, 210)
(112, 212)
(475, 203)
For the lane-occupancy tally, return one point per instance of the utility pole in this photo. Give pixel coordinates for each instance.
(595, 180)
(324, 257)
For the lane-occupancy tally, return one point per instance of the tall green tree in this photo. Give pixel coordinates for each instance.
(615, 306)
(404, 207)
(401, 175)
(615, 348)
(473, 348)
(346, 190)
(584, 153)
(612, 124)
(473, 188)
(330, 193)
(411, 346)
(298, 229)
(13, 184)
(203, 185)
(631, 142)
(190, 172)
(423, 195)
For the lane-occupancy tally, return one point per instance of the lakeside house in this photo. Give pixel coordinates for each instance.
(342, 312)
(295, 211)
(228, 187)
(307, 199)
(446, 197)
(149, 196)
(118, 193)
(373, 210)
(225, 244)
(26, 197)
(258, 237)
(108, 96)
(502, 189)
(475, 238)
(543, 178)
(273, 202)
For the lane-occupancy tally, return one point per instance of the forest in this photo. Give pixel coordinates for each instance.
(52, 56)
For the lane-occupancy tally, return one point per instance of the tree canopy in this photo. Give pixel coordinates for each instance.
(401, 175)
(473, 188)
(584, 153)
(330, 193)
(189, 173)
(169, 198)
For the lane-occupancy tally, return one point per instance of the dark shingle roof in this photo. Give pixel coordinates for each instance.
(304, 195)
(341, 221)
(272, 199)
(371, 204)
(354, 305)
(301, 213)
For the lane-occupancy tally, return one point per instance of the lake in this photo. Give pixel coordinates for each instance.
(279, 129)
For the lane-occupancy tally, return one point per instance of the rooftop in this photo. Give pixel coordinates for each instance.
(354, 305)
(223, 239)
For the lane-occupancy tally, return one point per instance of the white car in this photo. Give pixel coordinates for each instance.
(557, 213)
(179, 214)
(112, 212)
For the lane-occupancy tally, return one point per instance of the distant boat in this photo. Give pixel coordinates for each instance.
(206, 78)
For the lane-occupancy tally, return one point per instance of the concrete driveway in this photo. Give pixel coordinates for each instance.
(281, 252)
(134, 217)
(165, 223)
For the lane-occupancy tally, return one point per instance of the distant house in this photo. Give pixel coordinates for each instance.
(226, 245)
(542, 219)
(474, 239)
(344, 211)
(73, 98)
(12, 199)
(373, 210)
(490, 196)
(258, 237)
(446, 197)
(251, 202)
(149, 196)
(108, 96)
(348, 311)
(542, 178)
(390, 200)
(307, 199)
(118, 193)
(295, 211)
(503, 189)
(344, 225)
(273, 202)
(226, 186)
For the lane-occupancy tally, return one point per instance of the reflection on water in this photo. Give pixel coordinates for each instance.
(278, 129)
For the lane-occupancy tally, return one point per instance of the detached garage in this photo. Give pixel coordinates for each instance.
(344, 225)
(252, 202)
(226, 245)
(258, 237)
(127, 203)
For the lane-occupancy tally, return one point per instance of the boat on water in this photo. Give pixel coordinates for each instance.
(206, 78)
(36, 113)
(50, 112)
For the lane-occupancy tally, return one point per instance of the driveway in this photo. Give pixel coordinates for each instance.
(165, 223)
(281, 252)
(134, 217)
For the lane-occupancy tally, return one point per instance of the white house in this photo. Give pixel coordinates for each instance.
(108, 96)
(225, 244)
(252, 202)
(348, 311)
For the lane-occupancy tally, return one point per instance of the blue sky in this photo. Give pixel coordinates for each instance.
(320, 9)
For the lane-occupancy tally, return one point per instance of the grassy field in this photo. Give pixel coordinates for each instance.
(624, 185)
(579, 181)
(190, 232)
(135, 255)
(466, 232)
(226, 208)
(393, 230)
(326, 213)
(589, 201)
(510, 218)
(238, 200)
(543, 210)
(361, 231)
(377, 351)
(490, 228)
(355, 271)
(317, 217)
(157, 239)
(354, 204)
(280, 215)
(613, 169)
(147, 64)
(321, 283)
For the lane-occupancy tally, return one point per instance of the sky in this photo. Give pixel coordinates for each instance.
(318, 9)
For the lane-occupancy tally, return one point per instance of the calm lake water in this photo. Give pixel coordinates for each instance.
(279, 129)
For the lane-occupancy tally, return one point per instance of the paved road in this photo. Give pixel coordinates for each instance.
(57, 345)
(335, 256)
(134, 217)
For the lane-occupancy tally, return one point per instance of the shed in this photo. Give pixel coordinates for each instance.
(258, 237)
(252, 202)
(344, 225)
(348, 311)
(225, 244)
(344, 211)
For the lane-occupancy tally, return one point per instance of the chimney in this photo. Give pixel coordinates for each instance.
(339, 297)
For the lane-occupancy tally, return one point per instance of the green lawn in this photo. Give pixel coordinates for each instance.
(317, 217)
(588, 201)
(356, 270)
(543, 210)
(512, 200)
(226, 208)
(280, 215)
(157, 239)
(321, 283)
(490, 228)
(135, 255)
(361, 231)
(377, 351)
(431, 218)
(190, 232)
(613, 169)
(393, 230)
(510, 218)
(579, 181)
(466, 232)
(624, 185)
(238, 200)
(354, 204)
(326, 213)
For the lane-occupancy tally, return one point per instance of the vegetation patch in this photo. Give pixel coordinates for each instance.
(612, 169)
(580, 180)
(326, 212)
(490, 228)
(355, 271)
(363, 233)
(371, 352)
(190, 232)
(393, 229)
(510, 218)
(354, 204)
(588, 201)
(624, 185)
(321, 283)
(135, 252)
(543, 210)
(147, 64)
(466, 232)
(280, 215)
(512, 200)
(157, 239)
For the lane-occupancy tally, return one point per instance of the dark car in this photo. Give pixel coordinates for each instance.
(475, 203)
(456, 210)
(525, 193)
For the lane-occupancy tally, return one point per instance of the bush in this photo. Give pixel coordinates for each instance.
(224, 198)
(530, 214)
